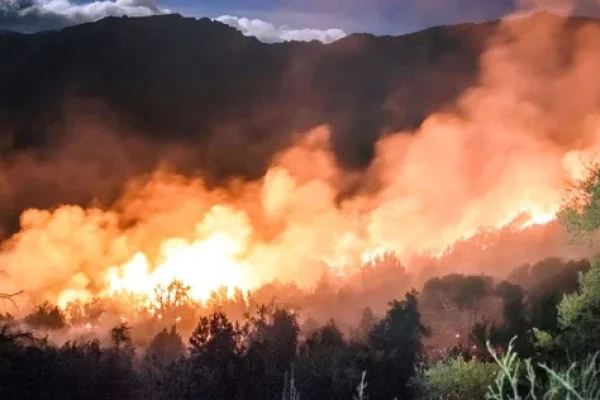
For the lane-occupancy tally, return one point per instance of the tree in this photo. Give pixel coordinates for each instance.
(374, 277)
(546, 282)
(78, 313)
(396, 347)
(367, 322)
(580, 210)
(166, 346)
(457, 300)
(120, 336)
(165, 372)
(10, 296)
(172, 303)
(217, 346)
(120, 356)
(579, 313)
(327, 366)
(514, 312)
(46, 316)
(273, 343)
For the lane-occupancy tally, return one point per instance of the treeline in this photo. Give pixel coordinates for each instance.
(429, 344)
(253, 359)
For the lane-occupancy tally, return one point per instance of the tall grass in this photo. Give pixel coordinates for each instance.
(289, 388)
(518, 380)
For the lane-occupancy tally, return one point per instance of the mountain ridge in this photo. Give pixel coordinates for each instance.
(177, 17)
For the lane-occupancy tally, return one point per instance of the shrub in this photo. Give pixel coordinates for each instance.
(456, 378)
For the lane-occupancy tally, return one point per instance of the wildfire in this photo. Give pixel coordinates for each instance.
(216, 261)
(540, 217)
(503, 160)
(286, 224)
(204, 264)
(226, 248)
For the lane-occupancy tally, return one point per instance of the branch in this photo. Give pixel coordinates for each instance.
(9, 297)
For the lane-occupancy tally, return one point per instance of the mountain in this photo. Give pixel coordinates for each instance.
(231, 100)
(178, 77)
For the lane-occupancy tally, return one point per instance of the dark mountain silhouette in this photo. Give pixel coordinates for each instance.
(185, 78)
(231, 100)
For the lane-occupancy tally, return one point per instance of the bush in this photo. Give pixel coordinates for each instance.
(456, 378)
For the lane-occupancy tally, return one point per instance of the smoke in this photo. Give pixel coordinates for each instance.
(86, 163)
(508, 146)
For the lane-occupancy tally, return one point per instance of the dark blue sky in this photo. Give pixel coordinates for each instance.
(376, 16)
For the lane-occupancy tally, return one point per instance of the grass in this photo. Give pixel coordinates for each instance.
(519, 380)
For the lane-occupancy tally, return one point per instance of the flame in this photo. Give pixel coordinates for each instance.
(215, 260)
(540, 217)
(205, 264)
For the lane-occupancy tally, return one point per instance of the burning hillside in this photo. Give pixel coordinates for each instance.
(501, 157)
(288, 226)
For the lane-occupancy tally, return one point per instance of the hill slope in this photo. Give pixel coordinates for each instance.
(182, 77)
(236, 100)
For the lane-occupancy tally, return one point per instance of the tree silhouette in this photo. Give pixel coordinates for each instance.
(120, 337)
(165, 372)
(78, 313)
(368, 321)
(273, 342)
(166, 346)
(217, 347)
(397, 346)
(46, 317)
(457, 299)
(327, 367)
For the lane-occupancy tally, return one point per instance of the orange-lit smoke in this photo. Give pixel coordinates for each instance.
(510, 145)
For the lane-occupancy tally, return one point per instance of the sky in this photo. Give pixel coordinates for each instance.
(280, 20)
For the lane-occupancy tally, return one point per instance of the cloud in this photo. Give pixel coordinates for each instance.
(36, 15)
(269, 33)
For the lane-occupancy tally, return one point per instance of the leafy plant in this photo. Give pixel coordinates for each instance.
(460, 379)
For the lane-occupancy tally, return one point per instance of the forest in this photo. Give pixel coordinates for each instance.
(532, 335)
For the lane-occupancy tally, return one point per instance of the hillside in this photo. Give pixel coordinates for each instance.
(180, 77)
(232, 100)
